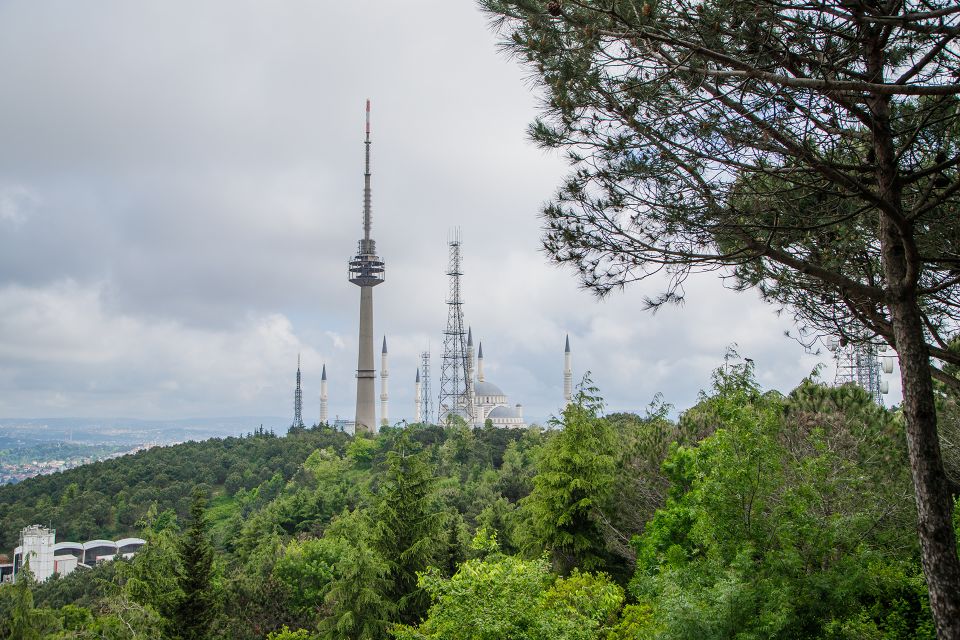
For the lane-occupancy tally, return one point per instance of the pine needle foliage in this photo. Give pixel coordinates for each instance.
(574, 481)
(408, 523)
(197, 606)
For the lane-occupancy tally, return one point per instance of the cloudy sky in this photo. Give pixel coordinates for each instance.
(180, 190)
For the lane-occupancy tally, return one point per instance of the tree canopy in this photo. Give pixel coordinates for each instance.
(810, 150)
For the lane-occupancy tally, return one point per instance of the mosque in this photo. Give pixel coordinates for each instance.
(464, 392)
(488, 401)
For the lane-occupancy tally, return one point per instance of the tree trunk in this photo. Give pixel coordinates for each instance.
(901, 267)
(938, 543)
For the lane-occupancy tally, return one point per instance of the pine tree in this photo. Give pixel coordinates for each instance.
(196, 608)
(23, 619)
(575, 477)
(408, 523)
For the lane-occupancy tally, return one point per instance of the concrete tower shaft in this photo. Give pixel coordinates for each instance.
(366, 270)
(567, 374)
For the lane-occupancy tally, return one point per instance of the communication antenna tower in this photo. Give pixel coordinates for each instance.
(454, 398)
(860, 363)
(298, 402)
(426, 394)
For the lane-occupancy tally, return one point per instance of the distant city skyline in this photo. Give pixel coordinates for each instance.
(181, 184)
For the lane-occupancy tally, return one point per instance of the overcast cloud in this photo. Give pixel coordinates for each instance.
(180, 190)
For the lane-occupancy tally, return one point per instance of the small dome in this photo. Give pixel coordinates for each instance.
(487, 389)
(503, 412)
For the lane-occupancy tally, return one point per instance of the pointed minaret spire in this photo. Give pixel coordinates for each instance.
(323, 395)
(567, 374)
(480, 363)
(417, 400)
(298, 402)
(366, 271)
(471, 390)
(384, 393)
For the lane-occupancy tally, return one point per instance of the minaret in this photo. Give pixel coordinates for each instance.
(298, 402)
(417, 402)
(366, 271)
(384, 392)
(323, 395)
(567, 374)
(471, 393)
(480, 363)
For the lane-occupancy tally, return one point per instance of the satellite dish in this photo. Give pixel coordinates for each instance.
(884, 387)
(887, 364)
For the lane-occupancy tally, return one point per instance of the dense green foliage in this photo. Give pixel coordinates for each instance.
(753, 516)
(107, 499)
(196, 606)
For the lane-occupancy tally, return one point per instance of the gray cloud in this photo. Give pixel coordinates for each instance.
(180, 190)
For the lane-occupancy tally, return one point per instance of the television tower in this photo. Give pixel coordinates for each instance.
(298, 402)
(454, 371)
(426, 395)
(366, 271)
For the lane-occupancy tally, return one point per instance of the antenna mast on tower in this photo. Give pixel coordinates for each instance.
(454, 396)
(426, 394)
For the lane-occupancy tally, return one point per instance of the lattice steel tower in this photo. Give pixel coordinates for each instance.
(860, 364)
(298, 402)
(426, 394)
(366, 270)
(454, 371)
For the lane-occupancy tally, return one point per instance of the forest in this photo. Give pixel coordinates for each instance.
(752, 515)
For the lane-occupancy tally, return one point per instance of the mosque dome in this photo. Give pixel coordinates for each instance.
(503, 412)
(487, 389)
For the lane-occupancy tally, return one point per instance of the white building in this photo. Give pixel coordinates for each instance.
(46, 557)
(36, 548)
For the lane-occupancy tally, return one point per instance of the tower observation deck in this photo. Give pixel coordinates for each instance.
(366, 270)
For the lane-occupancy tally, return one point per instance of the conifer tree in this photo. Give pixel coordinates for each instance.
(408, 523)
(574, 480)
(23, 622)
(195, 610)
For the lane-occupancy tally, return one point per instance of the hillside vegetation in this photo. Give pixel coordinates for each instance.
(755, 515)
(106, 499)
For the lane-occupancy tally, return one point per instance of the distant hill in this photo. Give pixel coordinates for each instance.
(127, 431)
(106, 499)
